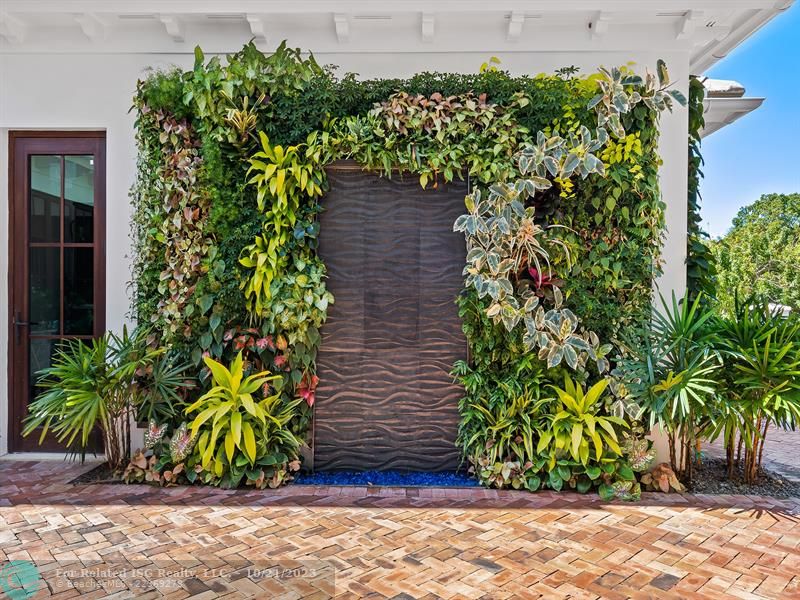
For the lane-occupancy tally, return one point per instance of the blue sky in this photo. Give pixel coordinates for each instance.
(760, 153)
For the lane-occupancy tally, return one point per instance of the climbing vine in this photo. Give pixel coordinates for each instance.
(700, 269)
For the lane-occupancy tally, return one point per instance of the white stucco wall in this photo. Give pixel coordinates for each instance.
(50, 91)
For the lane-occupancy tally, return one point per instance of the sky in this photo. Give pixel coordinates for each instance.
(759, 153)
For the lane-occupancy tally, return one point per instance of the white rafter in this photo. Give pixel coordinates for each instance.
(688, 24)
(516, 21)
(12, 29)
(174, 27)
(599, 24)
(428, 27)
(257, 27)
(93, 27)
(189, 7)
(342, 25)
(708, 29)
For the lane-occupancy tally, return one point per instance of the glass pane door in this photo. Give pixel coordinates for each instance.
(60, 255)
(58, 260)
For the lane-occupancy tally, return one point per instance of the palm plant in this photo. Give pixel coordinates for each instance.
(97, 384)
(671, 370)
(762, 375)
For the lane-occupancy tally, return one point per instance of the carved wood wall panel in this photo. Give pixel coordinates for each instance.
(385, 398)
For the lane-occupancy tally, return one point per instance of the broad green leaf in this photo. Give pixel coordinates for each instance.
(249, 441)
(236, 427)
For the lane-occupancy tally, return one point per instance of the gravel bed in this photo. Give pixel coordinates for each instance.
(99, 474)
(711, 477)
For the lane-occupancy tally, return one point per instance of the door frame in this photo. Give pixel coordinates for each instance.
(37, 142)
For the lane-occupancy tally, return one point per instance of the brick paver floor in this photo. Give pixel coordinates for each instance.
(781, 452)
(304, 541)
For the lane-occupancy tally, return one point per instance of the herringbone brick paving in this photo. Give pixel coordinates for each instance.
(392, 542)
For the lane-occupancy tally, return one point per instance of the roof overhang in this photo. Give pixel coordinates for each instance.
(724, 103)
(720, 112)
(706, 29)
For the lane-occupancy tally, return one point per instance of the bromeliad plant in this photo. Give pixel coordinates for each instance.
(240, 435)
(577, 428)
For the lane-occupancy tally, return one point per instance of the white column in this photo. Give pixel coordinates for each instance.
(673, 147)
(674, 182)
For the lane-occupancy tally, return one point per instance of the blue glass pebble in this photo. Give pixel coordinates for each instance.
(388, 478)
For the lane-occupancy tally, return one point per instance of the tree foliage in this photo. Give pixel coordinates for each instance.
(760, 254)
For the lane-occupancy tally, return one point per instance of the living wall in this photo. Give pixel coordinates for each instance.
(563, 229)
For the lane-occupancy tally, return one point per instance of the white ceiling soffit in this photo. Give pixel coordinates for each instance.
(720, 112)
(707, 29)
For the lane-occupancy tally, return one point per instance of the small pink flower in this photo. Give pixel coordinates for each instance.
(308, 396)
(280, 361)
(262, 343)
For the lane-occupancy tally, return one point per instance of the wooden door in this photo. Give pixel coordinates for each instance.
(385, 398)
(57, 257)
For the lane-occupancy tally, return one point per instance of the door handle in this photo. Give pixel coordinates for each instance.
(18, 325)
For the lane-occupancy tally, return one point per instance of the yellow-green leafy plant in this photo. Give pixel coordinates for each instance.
(242, 119)
(577, 428)
(285, 178)
(581, 447)
(240, 428)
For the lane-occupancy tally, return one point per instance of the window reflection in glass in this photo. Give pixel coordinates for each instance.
(44, 293)
(78, 198)
(45, 200)
(78, 291)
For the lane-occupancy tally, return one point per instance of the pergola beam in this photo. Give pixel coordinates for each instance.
(516, 21)
(428, 27)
